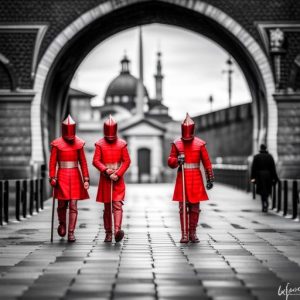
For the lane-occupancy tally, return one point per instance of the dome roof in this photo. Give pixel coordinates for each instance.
(125, 84)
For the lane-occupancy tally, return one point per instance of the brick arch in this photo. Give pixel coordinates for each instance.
(254, 51)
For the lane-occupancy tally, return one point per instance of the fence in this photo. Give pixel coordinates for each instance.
(285, 197)
(20, 198)
(233, 175)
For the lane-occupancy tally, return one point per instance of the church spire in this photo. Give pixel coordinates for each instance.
(140, 86)
(158, 78)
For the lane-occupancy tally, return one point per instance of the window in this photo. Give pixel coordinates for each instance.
(116, 99)
(108, 99)
(125, 99)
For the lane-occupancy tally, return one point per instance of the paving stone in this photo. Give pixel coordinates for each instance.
(243, 254)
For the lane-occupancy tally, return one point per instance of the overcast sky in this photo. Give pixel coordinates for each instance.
(192, 66)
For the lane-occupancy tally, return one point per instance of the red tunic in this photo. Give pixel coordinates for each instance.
(195, 152)
(69, 181)
(111, 153)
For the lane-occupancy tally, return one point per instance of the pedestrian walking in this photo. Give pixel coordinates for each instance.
(264, 175)
(112, 159)
(69, 184)
(186, 154)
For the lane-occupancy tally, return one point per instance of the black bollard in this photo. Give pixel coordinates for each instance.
(1, 202)
(6, 200)
(24, 198)
(41, 193)
(274, 196)
(279, 193)
(285, 197)
(36, 195)
(18, 199)
(295, 199)
(31, 196)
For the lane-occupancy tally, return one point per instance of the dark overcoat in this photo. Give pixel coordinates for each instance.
(264, 172)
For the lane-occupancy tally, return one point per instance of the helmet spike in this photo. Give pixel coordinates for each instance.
(68, 128)
(110, 127)
(187, 128)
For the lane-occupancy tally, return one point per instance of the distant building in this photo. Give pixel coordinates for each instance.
(145, 123)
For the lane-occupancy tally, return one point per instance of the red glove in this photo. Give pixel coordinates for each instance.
(53, 182)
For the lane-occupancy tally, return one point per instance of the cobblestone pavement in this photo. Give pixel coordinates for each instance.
(243, 254)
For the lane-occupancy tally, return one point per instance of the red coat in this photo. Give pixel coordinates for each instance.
(69, 181)
(195, 152)
(106, 154)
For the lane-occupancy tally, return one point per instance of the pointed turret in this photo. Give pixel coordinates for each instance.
(140, 86)
(158, 78)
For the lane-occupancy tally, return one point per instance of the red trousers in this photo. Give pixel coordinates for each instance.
(192, 216)
(118, 215)
(62, 213)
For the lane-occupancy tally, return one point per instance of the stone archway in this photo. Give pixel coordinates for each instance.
(57, 66)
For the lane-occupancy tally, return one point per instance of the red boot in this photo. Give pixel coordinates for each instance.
(118, 215)
(73, 212)
(61, 213)
(107, 223)
(184, 234)
(194, 217)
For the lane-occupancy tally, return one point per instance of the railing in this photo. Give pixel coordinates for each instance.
(285, 197)
(20, 198)
(234, 175)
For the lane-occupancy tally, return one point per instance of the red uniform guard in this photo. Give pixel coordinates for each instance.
(66, 152)
(189, 151)
(111, 158)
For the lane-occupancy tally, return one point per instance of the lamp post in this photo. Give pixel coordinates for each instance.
(229, 71)
(211, 100)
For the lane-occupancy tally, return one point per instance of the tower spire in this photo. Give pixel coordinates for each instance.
(140, 86)
(158, 78)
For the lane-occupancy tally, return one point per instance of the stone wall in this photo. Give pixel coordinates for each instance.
(289, 135)
(228, 133)
(15, 135)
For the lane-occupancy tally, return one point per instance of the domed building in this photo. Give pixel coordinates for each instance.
(120, 98)
(143, 122)
(122, 90)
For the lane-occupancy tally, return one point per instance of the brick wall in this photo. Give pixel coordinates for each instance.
(58, 14)
(15, 135)
(289, 135)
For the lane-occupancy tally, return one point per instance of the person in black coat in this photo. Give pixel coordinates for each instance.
(264, 175)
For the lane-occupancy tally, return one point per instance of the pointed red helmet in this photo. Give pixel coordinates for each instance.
(187, 128)
(110, 129)
(68, 129)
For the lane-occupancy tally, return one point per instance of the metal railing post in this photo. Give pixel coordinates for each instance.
(274, 196)
(6, 200)
(18, 199)
(285, 197)
(1, 203)
(295, 199)
(279, 194)
(31, 196)
(41, 193)
(24, 198)
(36, 195)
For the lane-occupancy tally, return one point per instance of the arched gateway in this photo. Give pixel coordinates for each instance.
(44, 42)
(69, 48)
